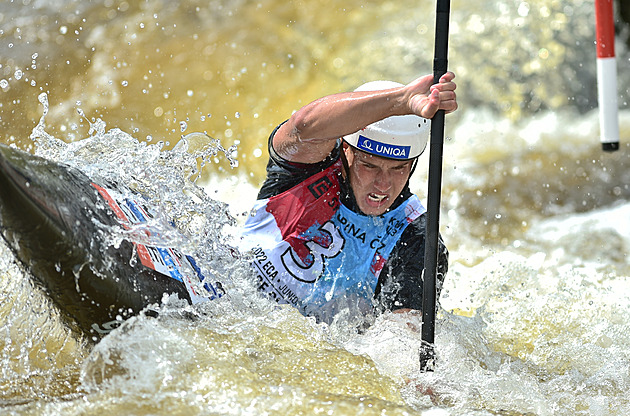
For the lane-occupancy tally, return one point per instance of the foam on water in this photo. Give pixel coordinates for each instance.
(150, 355)
(533, 316)
(236, 362)
(538, 325)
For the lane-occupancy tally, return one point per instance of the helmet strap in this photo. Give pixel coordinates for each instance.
(347, 194)
(413, 168)
(344, 160)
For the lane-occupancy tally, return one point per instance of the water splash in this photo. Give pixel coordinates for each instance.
(506, 349)
(184, 217)
(205, 147)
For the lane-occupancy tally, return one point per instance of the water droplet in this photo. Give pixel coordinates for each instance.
(125, 83)
(18, 74)
(63, 30)
(183, 126)
(4, 83)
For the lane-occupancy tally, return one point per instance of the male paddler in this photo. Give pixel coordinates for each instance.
(335, 227)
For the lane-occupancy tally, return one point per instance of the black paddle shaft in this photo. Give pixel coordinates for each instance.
(440, 62)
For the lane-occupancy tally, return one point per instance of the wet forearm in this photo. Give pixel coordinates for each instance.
(338, 115)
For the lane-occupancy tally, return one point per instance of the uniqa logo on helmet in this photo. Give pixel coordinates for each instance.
(383, 149)
(396, 137)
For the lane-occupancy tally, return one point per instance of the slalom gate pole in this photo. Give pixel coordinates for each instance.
(606, 75)
(440, 63)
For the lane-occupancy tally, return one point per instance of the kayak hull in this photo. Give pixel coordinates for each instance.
(57, 223)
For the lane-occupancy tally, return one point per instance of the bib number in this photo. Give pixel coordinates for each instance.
(312, 272)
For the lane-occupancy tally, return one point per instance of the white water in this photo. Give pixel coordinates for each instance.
(534, 313)
(538, 325)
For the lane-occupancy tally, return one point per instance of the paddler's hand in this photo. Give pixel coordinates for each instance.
(425, 390)
(414, 314)
(426, 98)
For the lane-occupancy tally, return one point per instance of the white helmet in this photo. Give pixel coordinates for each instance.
(395, 137)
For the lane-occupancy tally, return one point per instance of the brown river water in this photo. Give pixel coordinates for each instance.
(534, 317)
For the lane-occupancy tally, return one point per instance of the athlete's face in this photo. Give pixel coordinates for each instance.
(376, 181)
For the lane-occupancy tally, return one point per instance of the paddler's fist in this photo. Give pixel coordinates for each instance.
(426, 98)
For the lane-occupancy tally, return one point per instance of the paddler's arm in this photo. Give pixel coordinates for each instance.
(311, 132)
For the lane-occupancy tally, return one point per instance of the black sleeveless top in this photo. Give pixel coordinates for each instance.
(400, 282)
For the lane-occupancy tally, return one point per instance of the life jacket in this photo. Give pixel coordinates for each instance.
(313, 252)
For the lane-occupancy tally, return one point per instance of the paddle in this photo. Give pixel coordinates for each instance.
(440, 62)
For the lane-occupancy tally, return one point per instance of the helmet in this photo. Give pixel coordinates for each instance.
(395, 137)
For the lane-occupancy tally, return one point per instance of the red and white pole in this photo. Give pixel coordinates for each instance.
(606, 74)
